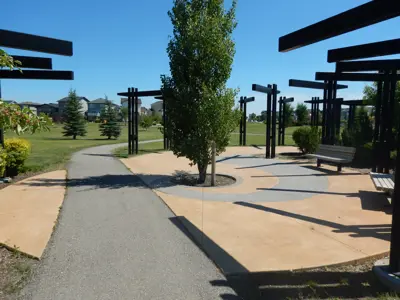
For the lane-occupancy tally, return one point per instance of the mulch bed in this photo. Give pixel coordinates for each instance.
(191, 180)
(15, 270)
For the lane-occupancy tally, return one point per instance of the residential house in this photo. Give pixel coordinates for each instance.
(33, 106)
(50, 109)
(157, 108)
(83, 100)
(145, 111)
(124, 103)
(96, 106)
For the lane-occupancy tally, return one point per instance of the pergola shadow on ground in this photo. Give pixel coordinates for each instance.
(323, 283)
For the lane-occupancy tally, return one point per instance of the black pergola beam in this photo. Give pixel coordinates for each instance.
(388, 47)
(286, 100)
(356, 103)
(31, 62)
(159, 97)
(354, 76)
(153, 93)
(262, 89)
(247, 100)
(36, 74)
(312, 84)
(364, 15)
(336, 100)
(368, 65)
(23, 41)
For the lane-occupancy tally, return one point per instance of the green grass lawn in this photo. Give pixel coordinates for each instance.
(50, 150)
(260, 128)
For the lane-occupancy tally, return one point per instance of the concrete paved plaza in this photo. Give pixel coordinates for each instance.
(280, 214)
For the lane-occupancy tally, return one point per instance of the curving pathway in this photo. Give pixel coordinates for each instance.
(117, 240)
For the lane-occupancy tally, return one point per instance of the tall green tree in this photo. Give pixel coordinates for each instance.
(124, 114)
(109, 126)
(301, 114)
(199, 105)
(289, 114)
(146, 122)
(74, 121)
(252, 117)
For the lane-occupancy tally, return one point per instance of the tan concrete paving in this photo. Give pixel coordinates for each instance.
(29, 210)
(347, 222)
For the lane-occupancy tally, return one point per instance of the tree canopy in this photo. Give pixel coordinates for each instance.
(199, 105)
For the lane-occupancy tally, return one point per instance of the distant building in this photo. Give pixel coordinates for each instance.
(157, 108)
(50, 109)
(33, 106)
(96, 106)
(145, 111)
(62, 102)
(124, 103)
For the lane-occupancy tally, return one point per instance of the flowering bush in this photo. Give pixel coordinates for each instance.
(3, 161)
(12, 117)
(17, 151)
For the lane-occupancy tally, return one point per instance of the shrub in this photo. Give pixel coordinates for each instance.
(348, 138)
(3, 161)
(307, 139)
(17, 152)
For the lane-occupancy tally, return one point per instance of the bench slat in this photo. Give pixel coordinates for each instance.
(382, 182)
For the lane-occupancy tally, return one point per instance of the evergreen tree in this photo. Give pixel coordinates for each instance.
(74, 121)
(109, 126)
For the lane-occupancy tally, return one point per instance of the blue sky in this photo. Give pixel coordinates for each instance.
(123, 43)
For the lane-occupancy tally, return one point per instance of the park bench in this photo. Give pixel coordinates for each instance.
(336, 155)
(383, 182)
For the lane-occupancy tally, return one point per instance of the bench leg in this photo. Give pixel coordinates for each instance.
(339, 168)
(318, 163)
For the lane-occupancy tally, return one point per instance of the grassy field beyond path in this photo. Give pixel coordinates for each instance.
(50, 150)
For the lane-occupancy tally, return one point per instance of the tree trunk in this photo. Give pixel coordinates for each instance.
(74, 137)
(202, 172)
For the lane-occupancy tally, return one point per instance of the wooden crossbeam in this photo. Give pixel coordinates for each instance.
(388, 47)
(36, 74)
(23, 41)
(354, 76)
(336, 100)
(30, 62)
(153, 93)
(287, 100)
(262, 89)
(312, 84)
(368, 65)
(364, 15)
(247, 100)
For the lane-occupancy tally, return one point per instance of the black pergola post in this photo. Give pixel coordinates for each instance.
(272, 98)
(280, 122)
(241, 122)
(268, 131)
(244, 121)
(274, 104)
(130, 151)
(283, 101)
(317, 112)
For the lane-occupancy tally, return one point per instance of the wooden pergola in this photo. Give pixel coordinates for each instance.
(385, 74)
(42, 66)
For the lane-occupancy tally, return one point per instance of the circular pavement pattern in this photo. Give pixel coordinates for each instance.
(294, 182)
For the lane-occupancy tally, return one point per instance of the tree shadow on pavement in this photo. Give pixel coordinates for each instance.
(355, 281)
(109, 181)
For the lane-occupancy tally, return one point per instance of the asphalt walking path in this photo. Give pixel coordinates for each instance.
(115, 239)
